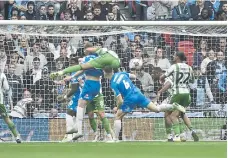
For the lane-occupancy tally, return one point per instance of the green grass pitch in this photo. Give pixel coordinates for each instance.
(115, 150)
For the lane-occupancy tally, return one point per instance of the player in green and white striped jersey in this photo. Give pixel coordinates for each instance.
(4, 87)
(167, 86)
(182, 75)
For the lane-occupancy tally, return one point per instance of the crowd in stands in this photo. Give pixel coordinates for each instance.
(28, 60)
(74, 10)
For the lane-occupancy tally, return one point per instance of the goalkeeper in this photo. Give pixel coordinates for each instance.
(4, 86)
(106, 58)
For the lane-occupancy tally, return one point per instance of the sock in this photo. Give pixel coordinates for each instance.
(165, 107)
(72, 69)
(80, 114)
(75, 123)
(117, 127)
(182, 127)
(69, 122)
(93, 124)
(105, 124)
(176, 128)
(12, 128)
(168, 129)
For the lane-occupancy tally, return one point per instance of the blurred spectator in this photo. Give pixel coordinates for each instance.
(141, 10)
(61, 63)
(210, 57)
(15, 83)
(66, 47)
(213, 7)
(51, 14)
(97, 13)
(222, 13)
(23, 17)
(67, 16)
(196, 9)
(15, 13)
(105, 7)
(198, 89)
(35, 53)
(111, 17)
(117, 14)
(41, 14)
(160, 60)
(45, 87)
(215, 68)
(18, 61)
(147, 82)
(181, 11)
(34, 74)
(201, 53)
(159, 10)
(205, 15)
(223, 45)
(137, 61)
(215, 71)
(89, 16)
(23, 108)
(30, 13)
(76, 13)
(23, 47)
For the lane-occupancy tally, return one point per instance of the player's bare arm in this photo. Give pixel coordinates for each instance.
(119, 101)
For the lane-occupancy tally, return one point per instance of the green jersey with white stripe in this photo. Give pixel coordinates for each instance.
(182, 75)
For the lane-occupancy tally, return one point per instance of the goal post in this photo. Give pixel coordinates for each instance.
(137, 44)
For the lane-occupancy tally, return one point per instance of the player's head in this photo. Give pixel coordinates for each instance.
(87, 45)
(179, 57)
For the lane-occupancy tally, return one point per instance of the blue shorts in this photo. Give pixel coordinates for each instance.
(73, 104)
(133, 100)
(90, 90)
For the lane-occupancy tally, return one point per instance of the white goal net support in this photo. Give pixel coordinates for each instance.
(30, 50)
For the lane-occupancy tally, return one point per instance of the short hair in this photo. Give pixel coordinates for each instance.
(36, 59)
(89, 11)
(50, 5)
(181, 56)
(68, 11)
(87, 45)
(97, 7)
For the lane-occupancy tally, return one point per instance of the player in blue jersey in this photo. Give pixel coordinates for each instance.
(74, 93)
(89, 91)
(128, 96)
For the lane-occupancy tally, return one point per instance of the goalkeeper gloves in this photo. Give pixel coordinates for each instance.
(56, 74)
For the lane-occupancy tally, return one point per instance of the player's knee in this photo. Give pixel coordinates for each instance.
(101, 114)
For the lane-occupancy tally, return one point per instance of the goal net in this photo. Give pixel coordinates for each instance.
(30, 50)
